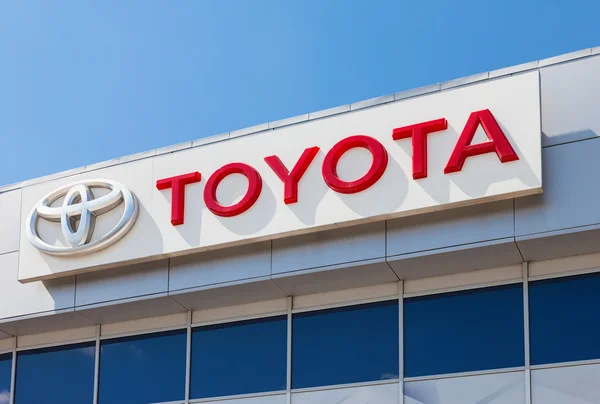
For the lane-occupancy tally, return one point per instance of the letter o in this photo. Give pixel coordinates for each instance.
(252, 194)
(378, 166)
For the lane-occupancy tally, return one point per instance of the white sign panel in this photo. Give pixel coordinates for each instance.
(454, 148)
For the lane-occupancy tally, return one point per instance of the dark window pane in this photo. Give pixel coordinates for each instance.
(563, 319)
(464, 331)
(345, 345)
(61, 375)
(143, 369)
(5, 374)
(239, 358)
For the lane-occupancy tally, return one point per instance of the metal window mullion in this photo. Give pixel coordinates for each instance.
(13, 372)
(401, 342)
(289, 352)
(188, 358)
(528, 395)
(97, 365)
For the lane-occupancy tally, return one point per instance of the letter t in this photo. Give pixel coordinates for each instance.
(177, 185)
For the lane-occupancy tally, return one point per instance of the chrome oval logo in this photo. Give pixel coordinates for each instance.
(77, 216)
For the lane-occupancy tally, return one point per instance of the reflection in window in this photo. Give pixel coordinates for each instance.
(143, 369)
(61, 375)
(239, 358)
(563, 319)
(5, 375)
(464, 331)
(345, 345)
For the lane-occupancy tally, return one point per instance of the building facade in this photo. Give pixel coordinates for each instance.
(439, 245)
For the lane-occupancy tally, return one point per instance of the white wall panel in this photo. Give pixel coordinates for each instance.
(569, 198)
(501, 388)
(329, 248)
(578, 263)
(464, 280)
(379, 394)
(256, 309)
(450, 228)
(241, 293)
(572, 385)
(10, 218)
(21, 299)
(145, 324)
(228, 265)
(57, 337)
(347, 296)
(570, 99)
(469, 257)
(122, 283)
(335, 277)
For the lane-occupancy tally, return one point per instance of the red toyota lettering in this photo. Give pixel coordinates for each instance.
(419, 133)
(177, 185)
(292, 178)
(498, 142)
(378, 166)
(252, 194)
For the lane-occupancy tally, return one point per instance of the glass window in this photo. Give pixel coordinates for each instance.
(563, 319)
(239, 358)
(61, 375)
(464, 331)
(5, 376)
(143, 369)
(345, 345)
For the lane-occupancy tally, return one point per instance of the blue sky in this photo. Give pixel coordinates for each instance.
(86, 81)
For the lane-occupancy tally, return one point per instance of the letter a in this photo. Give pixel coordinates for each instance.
(498, 142)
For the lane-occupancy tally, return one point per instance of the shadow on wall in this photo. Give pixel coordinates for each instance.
(568, 137)
(388, 198)
(311, 191)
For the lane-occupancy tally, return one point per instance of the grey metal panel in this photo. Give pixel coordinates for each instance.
(570, 197)
(345, 276)
(10, 219)
(561, 243)
(209, 297)
(131, 309)
(122, 283)
(388, 393)
(448, 228)
(23, 299)
(226, 265)
(570, 99)
(44, 322)
(490, 254)
(275, 399)
(339, 246)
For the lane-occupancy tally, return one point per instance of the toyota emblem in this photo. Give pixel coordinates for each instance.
(77, 216)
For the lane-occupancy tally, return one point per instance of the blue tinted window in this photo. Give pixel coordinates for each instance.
(61, 375)
(239, 358)
(464, 331)
(5, 374)
(345, 345)
(563, 319)
(143, 369)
